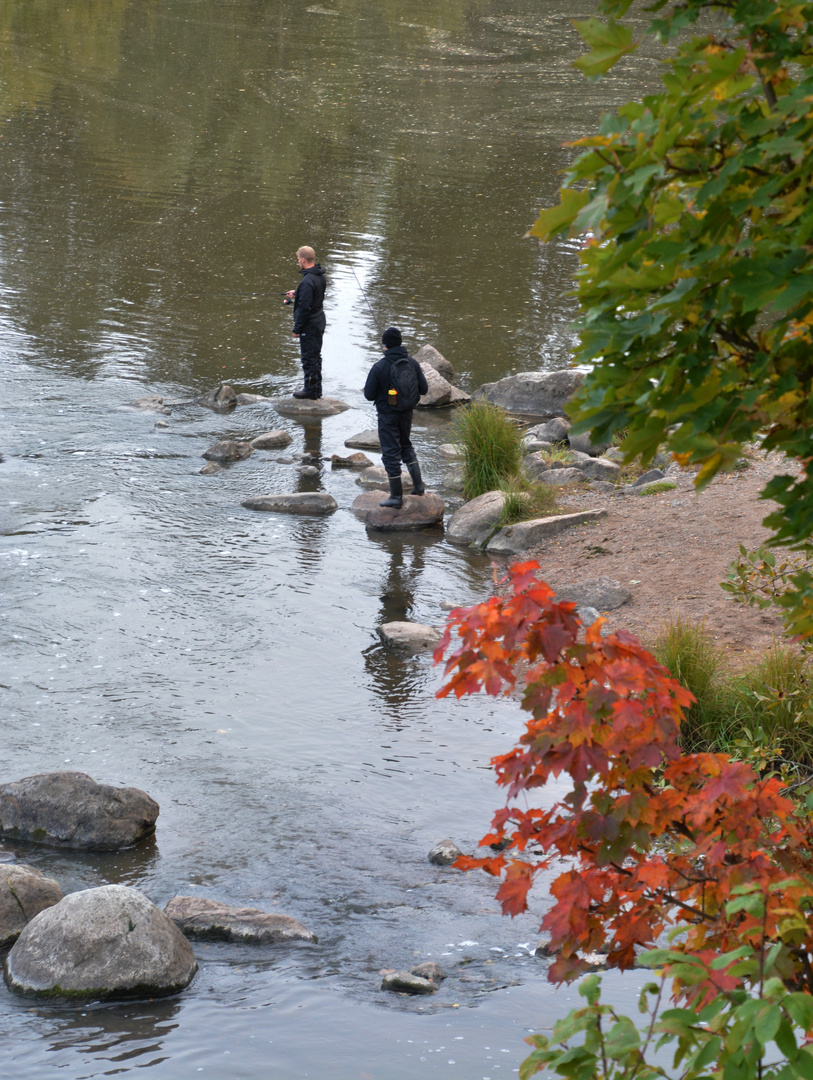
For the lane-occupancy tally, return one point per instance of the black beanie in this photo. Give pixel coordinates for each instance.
(391, 336)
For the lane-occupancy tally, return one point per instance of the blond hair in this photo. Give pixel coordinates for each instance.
(307, 253)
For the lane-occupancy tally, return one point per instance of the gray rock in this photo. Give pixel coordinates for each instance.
(614, 454)
(459, 397)
(153, 403)
(376, 477)
(24, 893)
(561, 477)
(454, 478)
(533, 393)
(354, 461)
(600, 468)
(525, 534)
(365, 440)
(601, 593)
(649, 477)
(69, 809)
(198, 917)
(106, 943)
(309, 407)
(439, 392)
(532, 445)
(272, 440)
(536, 464)
(604, 486)
(211, 469)
(554, 431)
(444, 853)
(409, 636)
(308, 470)
(588, 615)
(417, 512)
(428, 354)
(474, 522)
(587, 446)
(404, 982)
(297, 502)
(253, 399)
(161, 425)
(220, 400)
(284, 460)
(429, 970)
(451, 450)
(228, 450)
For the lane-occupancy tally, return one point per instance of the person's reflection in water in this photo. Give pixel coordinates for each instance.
(399, 682)
(311, 533)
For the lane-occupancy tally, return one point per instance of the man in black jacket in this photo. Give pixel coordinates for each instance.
(394, 422)
(309, 320)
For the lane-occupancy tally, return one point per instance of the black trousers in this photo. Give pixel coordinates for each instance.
(310, 348)
(393, 433)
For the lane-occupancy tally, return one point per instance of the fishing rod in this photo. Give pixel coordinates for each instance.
(364, 294)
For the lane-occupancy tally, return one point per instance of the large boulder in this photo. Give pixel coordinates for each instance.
(228, 450)
(310, 408)
(198, 917)
(409, 636)
(106, 943)
(533, 393)
(271, 440)
(525, 534)
(417, 512)
(474, 521)
(599, 468)
(24, 893)
(439, 392)
(365, 440)
(220, 400)
(69, 809)
(428, 354)
(297, 502)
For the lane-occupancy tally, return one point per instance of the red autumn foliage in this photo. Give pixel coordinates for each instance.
(654, 838)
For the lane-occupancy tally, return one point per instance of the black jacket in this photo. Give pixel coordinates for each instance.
(378, 380)
(310, 293)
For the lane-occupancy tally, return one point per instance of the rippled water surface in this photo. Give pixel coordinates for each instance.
(160, 162)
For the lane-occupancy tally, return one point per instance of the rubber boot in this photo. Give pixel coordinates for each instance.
(396, 499)
(417, 480)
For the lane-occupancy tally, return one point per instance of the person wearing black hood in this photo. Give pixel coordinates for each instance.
(309, 320)
(395, 383)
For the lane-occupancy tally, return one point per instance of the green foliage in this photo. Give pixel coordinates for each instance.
(657, 487)
(530, 501)
(696, 280)
(758, 579)
(492, 447)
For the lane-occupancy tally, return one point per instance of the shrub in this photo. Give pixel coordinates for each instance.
(492, 447)
(523, 503)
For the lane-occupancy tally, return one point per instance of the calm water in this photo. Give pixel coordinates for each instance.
(160, 162)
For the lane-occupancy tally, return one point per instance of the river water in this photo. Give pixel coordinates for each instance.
(160, 162)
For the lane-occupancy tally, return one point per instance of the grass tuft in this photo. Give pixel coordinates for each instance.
(492, 447)
(522, 503)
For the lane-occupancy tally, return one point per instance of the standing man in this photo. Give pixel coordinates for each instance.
(309, 320)
(395, 383)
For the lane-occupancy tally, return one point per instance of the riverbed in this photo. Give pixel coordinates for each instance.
(161, 163)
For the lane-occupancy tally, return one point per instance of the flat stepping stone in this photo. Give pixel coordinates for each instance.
(70, 810)
(365, 440)
(409, 636)
(101, 944)
(198, 917)
(525, 534)
(310, 407)
(417, 512)
(300, 502)
(271, 440)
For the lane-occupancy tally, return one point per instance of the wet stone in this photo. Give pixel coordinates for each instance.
(416, 512)
(429, 970)
(228, 450)
(298, 502)
(24, 893)
(221, 400)
(308, 470)
(428, 354)
(211, 469)
(404, 982)
(271, 440)
(365, 440)
(310, 407)
(408, 636)
(199, 917)
(444, 853)
(253, 399)
(154, 403)
(353, 461)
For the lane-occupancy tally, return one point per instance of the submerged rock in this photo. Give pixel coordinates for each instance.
(365, 440)
(153, 403)
(309, 407)
(412, 637)
(429, 970)
(444, 853)
(404, 982)
(428, 354)
(198, 917)
(474, 522)
(271, 440)
(228, 450)
(417, 512)
(533, 393)
(106, 943)
(69, 809)
(297, 502)
(253, 399)
(211, 469)
(24, 893)
(220, 400)
(354, 461)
